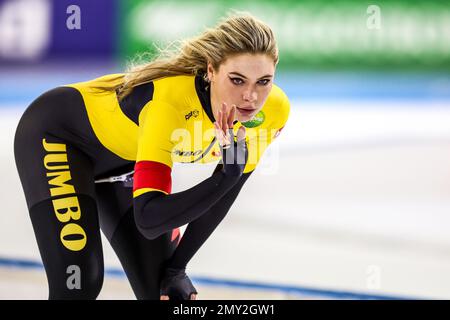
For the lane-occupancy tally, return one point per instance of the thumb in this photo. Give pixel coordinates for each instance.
(241, 134)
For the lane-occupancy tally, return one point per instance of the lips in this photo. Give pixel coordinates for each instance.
(247, 107)
(246, 111)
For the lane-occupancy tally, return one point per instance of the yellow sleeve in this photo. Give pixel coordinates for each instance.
(158, 120)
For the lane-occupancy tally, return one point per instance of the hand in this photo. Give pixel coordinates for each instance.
(234, 154)
(176, 285)
(223, 125)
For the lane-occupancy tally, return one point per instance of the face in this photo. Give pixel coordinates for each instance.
(244, 80)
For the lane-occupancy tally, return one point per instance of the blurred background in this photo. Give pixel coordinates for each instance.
(351, 202)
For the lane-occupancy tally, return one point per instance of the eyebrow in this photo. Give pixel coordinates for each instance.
(241, 75)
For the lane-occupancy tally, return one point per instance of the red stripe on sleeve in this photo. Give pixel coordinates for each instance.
(152, 174)
(175, 235)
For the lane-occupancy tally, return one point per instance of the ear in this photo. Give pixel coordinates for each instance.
(210, 71)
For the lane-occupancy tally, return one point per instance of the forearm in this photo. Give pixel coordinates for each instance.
(157, 213)
(198, 231)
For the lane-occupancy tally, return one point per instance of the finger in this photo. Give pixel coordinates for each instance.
(231, 116)
(224, 117)
(193, 296)
(223, 122)
(164, 297)
(221, 111)
(217, 126)
(241, 133)
(222, 136)
(227, 137)
(230, 119)
(219, 134)
(219, 120)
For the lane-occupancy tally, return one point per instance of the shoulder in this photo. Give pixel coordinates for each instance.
(162, 112)
(94, 86)
(172, 96)
(176, 89)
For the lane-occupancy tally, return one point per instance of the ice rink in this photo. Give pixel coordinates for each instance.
(352, 201)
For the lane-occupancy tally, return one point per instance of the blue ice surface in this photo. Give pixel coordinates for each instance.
(20, 85)
(25, 264)
(357, 85)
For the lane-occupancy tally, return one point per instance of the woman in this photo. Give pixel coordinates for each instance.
(212, 100)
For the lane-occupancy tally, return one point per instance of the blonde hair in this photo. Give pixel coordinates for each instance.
(238, 33)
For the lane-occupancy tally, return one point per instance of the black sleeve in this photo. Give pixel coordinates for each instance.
(199, 230)
(156, 213)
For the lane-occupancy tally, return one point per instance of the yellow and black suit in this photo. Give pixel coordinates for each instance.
(75, 135)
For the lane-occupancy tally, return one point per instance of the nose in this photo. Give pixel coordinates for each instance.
(250, 96)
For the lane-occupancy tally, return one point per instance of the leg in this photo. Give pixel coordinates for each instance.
(58, 182)
(72, 252)
(142, 259)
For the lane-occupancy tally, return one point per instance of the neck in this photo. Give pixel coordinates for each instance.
(214, 105)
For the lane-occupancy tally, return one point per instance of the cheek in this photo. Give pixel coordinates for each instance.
(232, 93)
(263, 94)
(225, 90)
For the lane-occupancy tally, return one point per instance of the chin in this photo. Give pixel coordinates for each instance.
(242, 118)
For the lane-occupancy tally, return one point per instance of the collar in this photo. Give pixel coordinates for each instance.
(204, 95)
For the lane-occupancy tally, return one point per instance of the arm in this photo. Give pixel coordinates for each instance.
(198, 231)
(157, 211)
(175, 281)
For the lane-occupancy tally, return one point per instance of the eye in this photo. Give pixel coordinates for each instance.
(264, 82)
(237, 81)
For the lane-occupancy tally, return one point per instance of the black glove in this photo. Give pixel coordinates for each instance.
(234, 156)
(176, 284)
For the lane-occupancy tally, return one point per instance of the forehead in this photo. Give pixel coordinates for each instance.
(249, 65)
